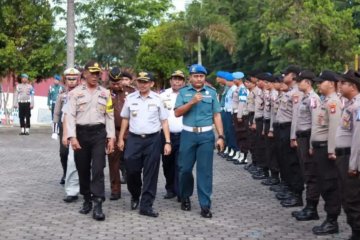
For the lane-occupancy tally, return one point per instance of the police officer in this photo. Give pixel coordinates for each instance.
(91, 130)
(170, 162)
(24, 100)
(347, 150)
(200, 109)
(53, 94)
(287, 118)
(120, 89)
(70, 175)
(309, 103)
(144, 112)
(325, 122)
(71, 80)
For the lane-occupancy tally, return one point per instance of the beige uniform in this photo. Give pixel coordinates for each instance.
(60, 102)
(90, 108)
(259, 103)
(24, 93)
(275, 97)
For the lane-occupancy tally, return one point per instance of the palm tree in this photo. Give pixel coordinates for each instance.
(197, 25)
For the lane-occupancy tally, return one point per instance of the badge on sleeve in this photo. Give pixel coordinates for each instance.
(295, 98)
(332, 107)
(313, 103)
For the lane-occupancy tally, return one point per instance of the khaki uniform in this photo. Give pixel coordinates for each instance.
(259, 151)
(24, 100)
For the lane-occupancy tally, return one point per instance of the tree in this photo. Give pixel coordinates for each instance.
(161, 51)
(311, 33)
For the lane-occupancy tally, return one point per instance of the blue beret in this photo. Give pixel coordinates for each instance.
(24, 75)
(197, 68)
(229, 77)
(238, 75)
(221, 74)
(57, 77)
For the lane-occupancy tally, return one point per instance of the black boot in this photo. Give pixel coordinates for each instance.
(329, 226)
(186, 204)
(308, 213)
(86, 207)
(355, 235)
(98, 212)
(295, 201)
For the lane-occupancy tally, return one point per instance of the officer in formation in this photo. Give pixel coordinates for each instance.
(144, 113)
(170, 162)
(120, 89)
(70, 175)
(200, 109)
(24, 101)
(71, 77)
(53, 94)
(91, 130)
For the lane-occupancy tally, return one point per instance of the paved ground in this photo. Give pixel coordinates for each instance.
(31, 205)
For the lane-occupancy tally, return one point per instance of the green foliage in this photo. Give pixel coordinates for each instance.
(28, 42)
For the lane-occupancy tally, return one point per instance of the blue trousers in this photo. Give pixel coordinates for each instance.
(199, 148)
(229, 130)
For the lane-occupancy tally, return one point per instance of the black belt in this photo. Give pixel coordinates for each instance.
(303, 134)
(343, 151)
(143, 135)
(319, 144)
(285, 125)
(175, 133)
(266, 120)
(259, 119)
(90, 127)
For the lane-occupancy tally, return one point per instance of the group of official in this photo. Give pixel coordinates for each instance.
(299, 139)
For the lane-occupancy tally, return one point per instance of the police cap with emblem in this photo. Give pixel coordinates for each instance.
(93, 66)
(126, 74)
(352, 77)
(145, 76)
(197, 68)
(305, 74)
(115, 74)
(71, 73)
(328, 75)
(178, 73)
(291, 69)
(265, 77)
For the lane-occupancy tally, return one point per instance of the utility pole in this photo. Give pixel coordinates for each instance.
(70, 34)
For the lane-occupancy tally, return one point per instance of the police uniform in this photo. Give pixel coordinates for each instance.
(90, 120)
(116, 158)
(197, 143)
(24, 100)
(142, 152)
(325, 122)
(170, 162)
(251, 133)
(347, 156)
(309, 103)
(287, 118)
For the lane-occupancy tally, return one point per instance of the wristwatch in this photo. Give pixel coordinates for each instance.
(221, 137)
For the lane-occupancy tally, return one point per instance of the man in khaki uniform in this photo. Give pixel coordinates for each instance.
(90, 125)
(322, 146)
(347, 150)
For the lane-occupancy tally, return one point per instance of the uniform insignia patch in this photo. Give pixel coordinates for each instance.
(332, 107)
(313, 103)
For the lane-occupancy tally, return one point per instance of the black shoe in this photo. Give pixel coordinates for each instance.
(206, 213)
(247, 166)
(271, 181)
(284, 195)
(62, 181)
(149, 213)
(307, 214)
(295, 201)
(134, 203)
(27, 134)
(70, 199)
(329, 226)
(169, 195)
(115, 196)
(178, 199)
(261, 176)
(186, 204)
(98, 214)
(279, 188)
(236, 162)
(21, 134)
(86, 207)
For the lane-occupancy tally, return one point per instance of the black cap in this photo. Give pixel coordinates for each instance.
(93, 66)
(279, 78)
(126, 74)
(253, 73)
(145, 76)
(265, 76)
(328, 75)
(306, 74)
(291, 69)
(352, 76)
(115, 74)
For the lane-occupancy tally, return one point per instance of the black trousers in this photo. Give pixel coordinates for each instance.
(52, 110)
(241, 132)
(90, 160)
(276, 153)
(307, 167)
(251, 137)
(260, 151)
(350, 189)
(328, 180)
(64, 152)
(270, 150)
(142, 155)
(24, 114)
(170, 163)
(289, 160)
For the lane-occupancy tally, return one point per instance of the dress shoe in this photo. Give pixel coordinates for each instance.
(115, 196)
(150, 213)
(295, 201)
(70, 199)
(62, 181)
(186, 204)
(98, 212)
(134, 203)
(86, 207)
(307, 215)
(284, 195)
(206, 213)
(169, 195)
(247, 166)
(278, 188)
(260, 176)
(270, 181)
(329, 226)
